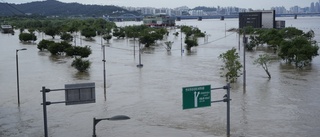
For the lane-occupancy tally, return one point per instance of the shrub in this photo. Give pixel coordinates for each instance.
(44, 44)
(191, 43)
(81, 65)
(83, 52)
(88, 32)
(58, 48)
(66, 37)
(27, 37)
(55, 48)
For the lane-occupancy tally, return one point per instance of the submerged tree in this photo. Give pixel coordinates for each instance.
(149, 36)
(58, 48)
(264, 61)
(299, 51)
(27, 37)
(272, 37)
(119, 33)
(83, 52)
(107, 37)
(192, 34)
(44, 44)
(232, 64)
(191, 42)
(88, 32)
(66, 37)
(290, 32)
(51, 31)
(81, 65)
(310, 35)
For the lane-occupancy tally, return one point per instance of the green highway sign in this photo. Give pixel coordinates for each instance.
(196, 97)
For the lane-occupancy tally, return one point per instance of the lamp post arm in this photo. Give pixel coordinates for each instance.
(96, 121)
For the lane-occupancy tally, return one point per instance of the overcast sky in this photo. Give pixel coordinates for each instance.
(255, 4)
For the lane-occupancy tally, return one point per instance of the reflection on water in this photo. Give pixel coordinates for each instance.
(58, 59)
(285, 105)
(82, 76)
(191, 52)
(148, 50)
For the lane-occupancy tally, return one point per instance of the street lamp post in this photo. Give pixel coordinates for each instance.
(114, 118)
(134, 47)
(181, 41)
(104, 72)
(18, 94)
(139, 65)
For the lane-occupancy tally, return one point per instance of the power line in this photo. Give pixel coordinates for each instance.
(218, 39)
(107, 46)
(96, 43)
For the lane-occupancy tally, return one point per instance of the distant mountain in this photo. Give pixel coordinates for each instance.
(57, 8)
(207, 9)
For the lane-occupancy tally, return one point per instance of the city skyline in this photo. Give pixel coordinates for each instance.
(254, 4)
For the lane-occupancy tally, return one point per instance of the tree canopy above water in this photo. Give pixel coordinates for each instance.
(291, 44)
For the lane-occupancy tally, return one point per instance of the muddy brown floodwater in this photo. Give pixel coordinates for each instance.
(285, 105)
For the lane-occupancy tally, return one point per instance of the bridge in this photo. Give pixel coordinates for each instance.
(298, 14)
(131, 17)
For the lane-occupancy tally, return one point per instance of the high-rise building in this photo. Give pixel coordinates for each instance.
(279, 10)
(317, 7)
(312, 9)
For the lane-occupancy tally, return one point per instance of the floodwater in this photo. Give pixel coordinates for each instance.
(285, 105)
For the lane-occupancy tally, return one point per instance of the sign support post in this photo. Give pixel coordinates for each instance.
(75, 94)
(44, 100)
(200, 96)
(228, 109)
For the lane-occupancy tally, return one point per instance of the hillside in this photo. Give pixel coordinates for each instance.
(57, 8)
